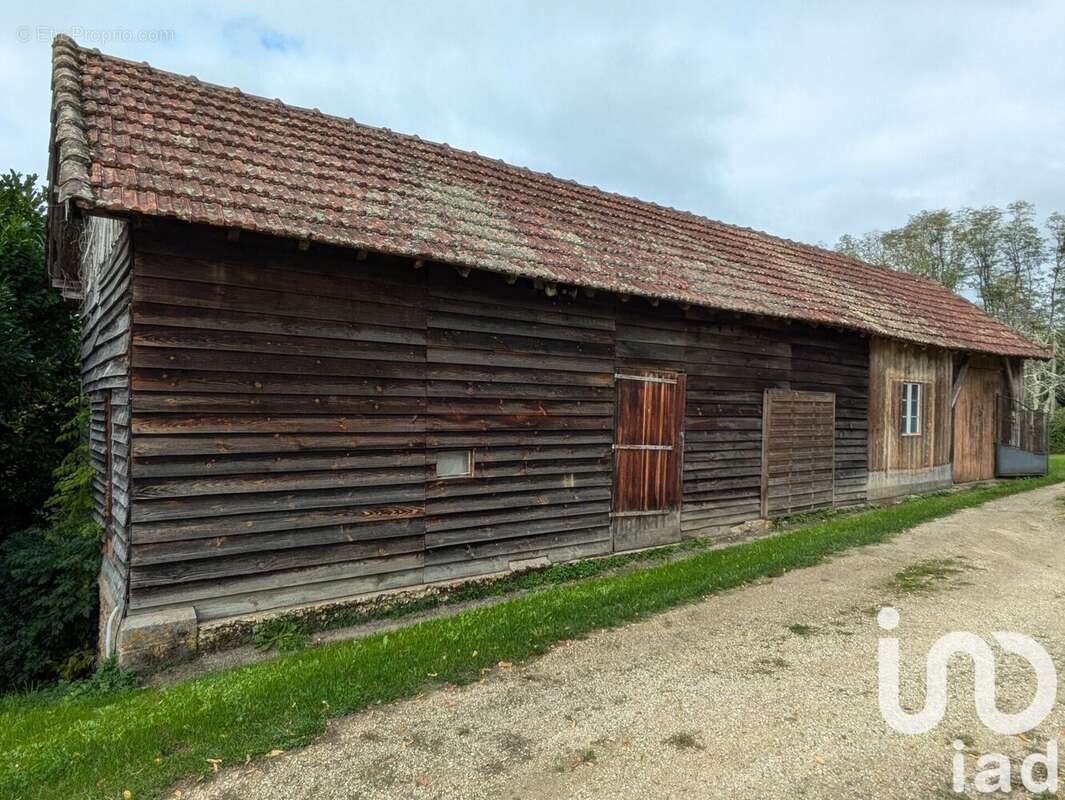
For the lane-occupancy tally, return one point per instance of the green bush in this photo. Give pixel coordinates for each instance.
(1057, 431)
(48, 606)
(48, 596)
(38, 357)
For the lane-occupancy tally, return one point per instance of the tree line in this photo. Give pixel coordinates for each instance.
(49, 543)
(1005, 259)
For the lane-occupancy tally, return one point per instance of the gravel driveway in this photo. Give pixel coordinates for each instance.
(764, 692)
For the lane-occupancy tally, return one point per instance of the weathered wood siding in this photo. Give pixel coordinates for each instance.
(976, 419)
(279, 437)
(290, 408)
(729, 362)
(900, 464)
(105, 344)
(526, 383)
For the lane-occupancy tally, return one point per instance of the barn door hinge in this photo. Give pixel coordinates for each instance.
(645, 378)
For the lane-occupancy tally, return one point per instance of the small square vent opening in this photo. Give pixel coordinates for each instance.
(454, 465)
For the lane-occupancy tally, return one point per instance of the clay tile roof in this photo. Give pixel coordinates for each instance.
(132, 139)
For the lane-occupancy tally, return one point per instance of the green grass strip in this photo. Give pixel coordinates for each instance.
(144, 740)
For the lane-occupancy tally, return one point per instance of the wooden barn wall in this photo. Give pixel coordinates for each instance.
(526, 383)
(289, 409)
(729, 364)
(105, 343)
(899, 464)
(279, 437)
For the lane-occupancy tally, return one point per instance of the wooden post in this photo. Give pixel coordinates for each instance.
(765, 455)
(959, 381)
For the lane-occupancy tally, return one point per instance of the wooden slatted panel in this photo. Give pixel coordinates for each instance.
(1020, 426)
(798, 451)
(647, 441)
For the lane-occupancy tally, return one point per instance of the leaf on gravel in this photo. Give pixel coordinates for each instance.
(819, 759)
(274, 753)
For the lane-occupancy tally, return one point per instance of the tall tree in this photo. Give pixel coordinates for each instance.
(868, 247)
(1002, 255)
(980, 233)
(1023, 254)
(1055, 313)
(38, 356)
(927, 245)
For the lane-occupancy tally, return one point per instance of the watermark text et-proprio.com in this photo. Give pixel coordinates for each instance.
(84, 35)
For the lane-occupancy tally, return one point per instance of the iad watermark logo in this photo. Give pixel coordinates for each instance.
(995, 769)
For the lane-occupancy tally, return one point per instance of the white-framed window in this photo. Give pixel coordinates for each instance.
(457, 464)
(911, 409)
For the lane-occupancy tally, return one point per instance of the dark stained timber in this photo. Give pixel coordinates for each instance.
(279, 416)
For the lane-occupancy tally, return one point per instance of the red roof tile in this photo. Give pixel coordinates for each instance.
(134, 139)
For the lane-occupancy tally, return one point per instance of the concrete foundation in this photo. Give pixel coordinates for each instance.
(147, 641)
(901, 482)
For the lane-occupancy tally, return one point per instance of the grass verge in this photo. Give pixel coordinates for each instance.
(142, 741)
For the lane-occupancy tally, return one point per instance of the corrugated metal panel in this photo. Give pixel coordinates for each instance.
(1011, 462)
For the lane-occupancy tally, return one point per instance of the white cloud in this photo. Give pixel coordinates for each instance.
(806, 120)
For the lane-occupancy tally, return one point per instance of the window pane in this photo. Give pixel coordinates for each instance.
(454, 465)
(911, 409)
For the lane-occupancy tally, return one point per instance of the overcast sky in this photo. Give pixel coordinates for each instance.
(806, 120)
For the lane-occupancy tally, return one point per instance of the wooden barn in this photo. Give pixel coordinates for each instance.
(327, 361)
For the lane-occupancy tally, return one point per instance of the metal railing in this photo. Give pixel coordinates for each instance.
(1021, 426)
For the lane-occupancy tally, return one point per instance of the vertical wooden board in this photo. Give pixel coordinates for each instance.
(647, 441)
(798, 447)
(897, 462)
(767, 415)
(975, 423)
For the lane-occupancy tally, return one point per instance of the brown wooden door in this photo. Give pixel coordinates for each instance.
(647, 441)
(974, 424)
(798, 451)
